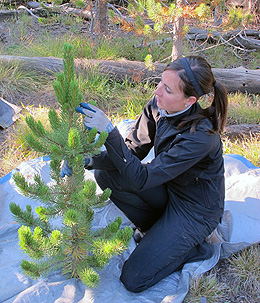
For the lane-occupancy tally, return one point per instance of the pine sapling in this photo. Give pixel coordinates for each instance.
(73, 246)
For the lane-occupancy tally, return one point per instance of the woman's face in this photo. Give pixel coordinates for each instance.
(169, 95)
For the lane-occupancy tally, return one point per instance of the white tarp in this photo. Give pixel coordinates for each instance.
(240, 228)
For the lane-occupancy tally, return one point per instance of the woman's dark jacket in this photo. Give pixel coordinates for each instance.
(189, 163)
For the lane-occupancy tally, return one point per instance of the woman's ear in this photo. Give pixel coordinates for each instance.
(191, 100)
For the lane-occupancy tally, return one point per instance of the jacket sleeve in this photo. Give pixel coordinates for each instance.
(140, 139)
(185, 151)
(103, 161)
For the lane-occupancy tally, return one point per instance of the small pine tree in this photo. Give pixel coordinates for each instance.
(73, 246)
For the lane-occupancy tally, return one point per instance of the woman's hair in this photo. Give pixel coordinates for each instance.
(205, 82)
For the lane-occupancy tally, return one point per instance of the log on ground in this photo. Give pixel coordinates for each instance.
(236, 79)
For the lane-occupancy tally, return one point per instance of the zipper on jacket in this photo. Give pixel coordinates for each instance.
(160, 130)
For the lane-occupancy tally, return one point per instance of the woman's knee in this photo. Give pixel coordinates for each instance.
(132, 282)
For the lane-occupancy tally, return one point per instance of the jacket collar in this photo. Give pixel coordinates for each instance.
(175, 119)
(163, 112)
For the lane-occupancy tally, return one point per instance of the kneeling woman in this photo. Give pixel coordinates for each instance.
(177, 199)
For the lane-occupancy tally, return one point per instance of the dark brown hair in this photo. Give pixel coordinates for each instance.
(217, 111)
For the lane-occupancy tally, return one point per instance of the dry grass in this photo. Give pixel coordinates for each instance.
(244, 108)
(245, 267)
(15, 150)
(240, 273)
(233, 280)
(246, 146)
(208, 287)
(15, 81)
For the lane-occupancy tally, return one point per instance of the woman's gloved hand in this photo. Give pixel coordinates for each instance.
(66, 170)
(95, 117)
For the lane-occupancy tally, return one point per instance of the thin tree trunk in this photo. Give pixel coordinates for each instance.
(101, 17)
(178, 34)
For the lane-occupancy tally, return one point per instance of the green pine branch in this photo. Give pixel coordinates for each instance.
(27, 217)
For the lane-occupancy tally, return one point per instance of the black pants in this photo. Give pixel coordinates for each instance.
(172, 238)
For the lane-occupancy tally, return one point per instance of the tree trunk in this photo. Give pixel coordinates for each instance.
(178, 34)
(101, 17)
(236, 79)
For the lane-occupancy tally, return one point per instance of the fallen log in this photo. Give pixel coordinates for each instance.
(39, 11)
(236, 79)
(13, 2)
(202, 34)
(240, 131)
(6, 15)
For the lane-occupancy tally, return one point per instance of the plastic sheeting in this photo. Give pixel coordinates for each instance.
(9, 113)
(239, 229)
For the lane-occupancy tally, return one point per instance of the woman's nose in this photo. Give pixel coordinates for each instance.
(158, 90)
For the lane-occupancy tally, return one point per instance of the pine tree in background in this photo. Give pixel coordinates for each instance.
(73, 246)
(173, 19)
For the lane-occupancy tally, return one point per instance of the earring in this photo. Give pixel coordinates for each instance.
(186, 105)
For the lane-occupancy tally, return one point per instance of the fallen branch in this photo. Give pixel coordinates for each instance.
(115, 10)
(28, 10)
(246, 39)
(248, 43)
